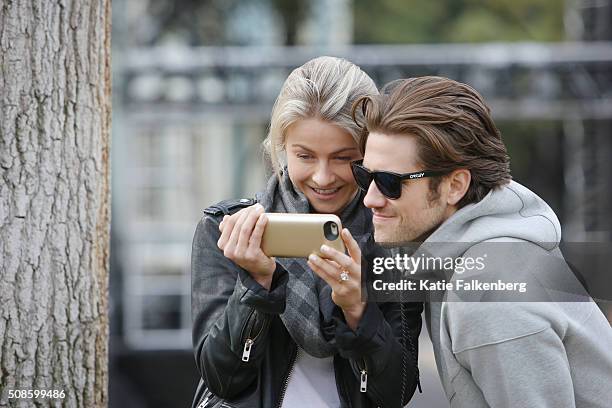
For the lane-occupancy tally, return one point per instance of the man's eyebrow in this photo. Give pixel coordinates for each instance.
(344, 149)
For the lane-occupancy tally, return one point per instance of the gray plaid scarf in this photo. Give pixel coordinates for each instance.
(305, 294)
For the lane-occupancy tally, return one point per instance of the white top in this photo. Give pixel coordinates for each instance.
(312, 383)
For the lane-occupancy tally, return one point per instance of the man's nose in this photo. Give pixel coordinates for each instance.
(323, 175)
(373, 197)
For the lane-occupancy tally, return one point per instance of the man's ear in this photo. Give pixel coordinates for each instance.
(458, 184)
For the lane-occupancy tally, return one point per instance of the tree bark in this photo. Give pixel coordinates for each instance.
(54, 200)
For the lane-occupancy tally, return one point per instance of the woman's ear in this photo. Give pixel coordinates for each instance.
(458, 184)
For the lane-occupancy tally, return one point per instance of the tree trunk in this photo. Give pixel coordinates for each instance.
(54, 201)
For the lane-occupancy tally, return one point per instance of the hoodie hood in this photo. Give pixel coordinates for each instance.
(512, 212)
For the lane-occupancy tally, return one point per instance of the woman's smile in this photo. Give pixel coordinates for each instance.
(326, 193)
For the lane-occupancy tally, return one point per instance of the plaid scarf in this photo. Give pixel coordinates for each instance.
(305, 290)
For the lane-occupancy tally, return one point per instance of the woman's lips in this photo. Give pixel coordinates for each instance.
(325, 193)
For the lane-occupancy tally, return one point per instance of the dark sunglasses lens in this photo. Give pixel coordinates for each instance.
(362, 177)
(389, 185)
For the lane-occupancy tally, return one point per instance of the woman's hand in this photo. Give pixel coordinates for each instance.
(345, 293)
(240, 241)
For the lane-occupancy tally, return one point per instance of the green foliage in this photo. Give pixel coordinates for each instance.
(430, 21)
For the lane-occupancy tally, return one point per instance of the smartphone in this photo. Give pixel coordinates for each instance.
(299, 235)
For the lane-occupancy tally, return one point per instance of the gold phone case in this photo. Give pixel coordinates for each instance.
(299, 235)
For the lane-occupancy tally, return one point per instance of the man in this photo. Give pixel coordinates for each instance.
(456, 188)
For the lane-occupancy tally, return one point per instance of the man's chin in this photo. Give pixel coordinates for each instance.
(390, 241)
(393, 244)
(386, 240)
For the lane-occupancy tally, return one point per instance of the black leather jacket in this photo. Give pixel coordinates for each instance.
(245, 354)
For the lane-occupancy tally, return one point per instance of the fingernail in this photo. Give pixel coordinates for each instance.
(313, 258)
(325, 248)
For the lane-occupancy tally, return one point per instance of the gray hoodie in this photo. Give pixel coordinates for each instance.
(517, 354)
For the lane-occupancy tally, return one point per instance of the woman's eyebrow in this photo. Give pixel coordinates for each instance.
(301, 147)
(344, 149)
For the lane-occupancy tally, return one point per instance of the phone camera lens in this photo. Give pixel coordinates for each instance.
(330, 230)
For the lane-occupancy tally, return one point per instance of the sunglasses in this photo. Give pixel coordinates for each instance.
(389, 183)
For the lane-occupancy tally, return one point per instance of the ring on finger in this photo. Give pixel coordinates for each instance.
(344, 276)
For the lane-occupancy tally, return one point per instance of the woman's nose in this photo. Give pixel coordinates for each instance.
(323, 175)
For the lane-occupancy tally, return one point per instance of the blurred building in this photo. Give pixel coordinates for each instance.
(188, 123)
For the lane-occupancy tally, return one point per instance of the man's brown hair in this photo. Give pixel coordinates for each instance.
(452, 125)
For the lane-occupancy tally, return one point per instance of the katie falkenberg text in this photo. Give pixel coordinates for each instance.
(412, 264)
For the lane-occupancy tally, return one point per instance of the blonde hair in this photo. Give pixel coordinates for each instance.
(323, 88)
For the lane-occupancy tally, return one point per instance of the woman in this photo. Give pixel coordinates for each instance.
(270, 332)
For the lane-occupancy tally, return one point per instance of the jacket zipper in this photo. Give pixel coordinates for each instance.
(363, 377)
(250, 340)
(363, 385)
(415, 355)
(204, 402)
(286, 382)
(246, 352)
